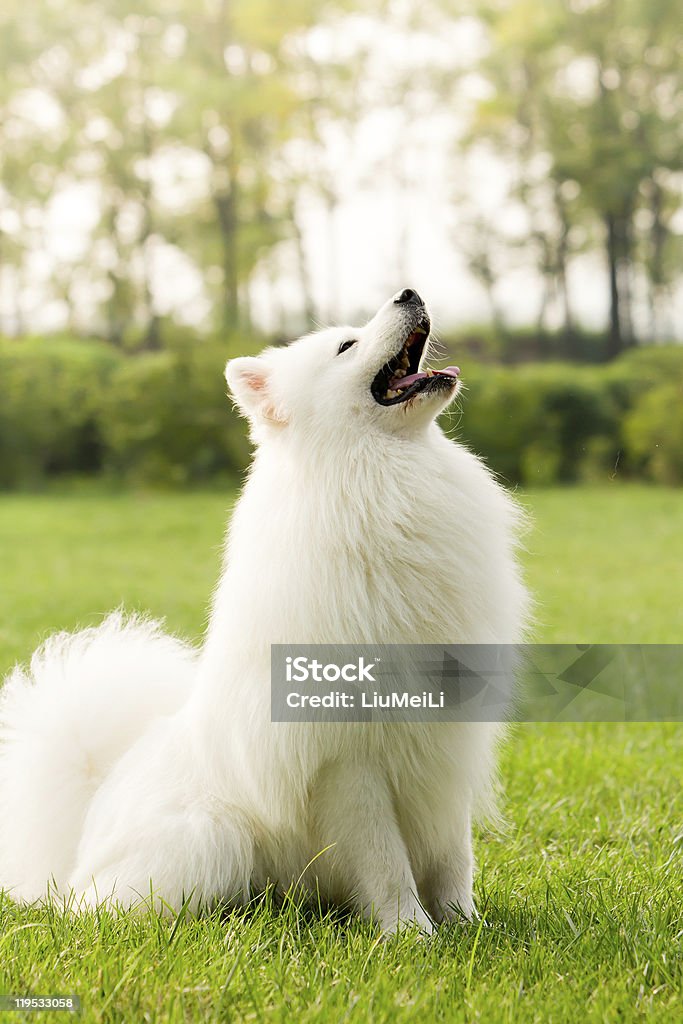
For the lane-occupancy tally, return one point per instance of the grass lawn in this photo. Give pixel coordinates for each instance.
(581, 894)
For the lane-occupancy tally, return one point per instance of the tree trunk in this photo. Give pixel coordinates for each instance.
(567, 314)
(626, 303)
(226, 209)
(115, 319)
(656, 275)
(497, 318)
(151, 335)
(140, 73)
(542, 312)
(562, 282)
(151, 338)
(117, 311)
(615, 342)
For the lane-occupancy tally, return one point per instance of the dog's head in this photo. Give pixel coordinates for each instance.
(347, 379)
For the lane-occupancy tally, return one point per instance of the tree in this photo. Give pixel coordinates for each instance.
(138, 88)
(595, 92)
(238, 102)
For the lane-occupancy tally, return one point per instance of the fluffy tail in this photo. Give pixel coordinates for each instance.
(86, 699)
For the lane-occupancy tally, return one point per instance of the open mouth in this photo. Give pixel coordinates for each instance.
(401, 378)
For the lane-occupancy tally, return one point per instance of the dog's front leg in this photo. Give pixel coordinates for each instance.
(353, 816)
(446, 885)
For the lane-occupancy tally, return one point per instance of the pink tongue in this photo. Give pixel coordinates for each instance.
(404, 382)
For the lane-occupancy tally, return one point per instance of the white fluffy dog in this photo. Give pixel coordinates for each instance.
(134, 768)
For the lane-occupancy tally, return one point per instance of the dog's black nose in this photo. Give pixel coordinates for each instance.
(409, 297)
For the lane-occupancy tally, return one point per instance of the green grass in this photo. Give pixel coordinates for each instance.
(581, 894)
(605, 564)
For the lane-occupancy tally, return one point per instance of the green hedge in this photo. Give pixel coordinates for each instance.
(543, 423)
(50, 406)
(654, 433)
(165, 418)
(77, 407)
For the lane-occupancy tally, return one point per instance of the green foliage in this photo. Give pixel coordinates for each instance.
(71, 407)
(501, 415)
(580, 102)
(654, 433)
(557, 422)
(166, 418)
(201, 132)
(534, 424)
(49, 406)
(125, 97)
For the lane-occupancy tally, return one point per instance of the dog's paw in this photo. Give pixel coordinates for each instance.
(410, 918)
(454, 908)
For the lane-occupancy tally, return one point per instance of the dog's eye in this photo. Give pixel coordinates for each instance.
(346, 344)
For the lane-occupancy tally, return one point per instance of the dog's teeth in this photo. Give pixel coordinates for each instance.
(391, 394)
(400, 373)
(405, 361)
(419, 330)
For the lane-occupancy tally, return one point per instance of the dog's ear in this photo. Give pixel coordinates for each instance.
(250, 383)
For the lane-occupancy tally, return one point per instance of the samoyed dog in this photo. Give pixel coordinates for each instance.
(136, 770)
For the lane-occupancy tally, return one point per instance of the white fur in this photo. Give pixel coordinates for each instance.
(130, 766)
